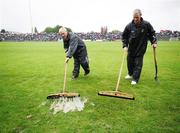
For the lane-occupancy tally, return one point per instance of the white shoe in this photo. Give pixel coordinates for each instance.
(133, 82)
(127, 77)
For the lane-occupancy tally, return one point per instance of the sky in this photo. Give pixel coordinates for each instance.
(86, 15)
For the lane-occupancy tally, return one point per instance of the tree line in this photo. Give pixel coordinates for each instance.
(55, 29)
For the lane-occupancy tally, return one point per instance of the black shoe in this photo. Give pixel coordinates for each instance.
(86, 72)
(74, 77)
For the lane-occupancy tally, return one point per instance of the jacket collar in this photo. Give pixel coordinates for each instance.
(140, 22)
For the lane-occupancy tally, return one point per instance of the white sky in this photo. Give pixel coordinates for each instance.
(86, 15)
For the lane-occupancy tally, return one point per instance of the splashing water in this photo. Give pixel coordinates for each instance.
(68, 104)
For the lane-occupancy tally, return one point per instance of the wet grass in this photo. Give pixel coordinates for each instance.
(29, 71)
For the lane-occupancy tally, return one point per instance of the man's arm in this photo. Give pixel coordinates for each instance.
(152, 35)
(73, 43)
(125, 36)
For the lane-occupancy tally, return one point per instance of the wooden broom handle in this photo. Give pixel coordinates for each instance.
(120, 71)
(65, 77)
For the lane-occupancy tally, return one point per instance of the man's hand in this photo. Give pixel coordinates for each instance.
(125, 49)
(154, 45)
(67, 59)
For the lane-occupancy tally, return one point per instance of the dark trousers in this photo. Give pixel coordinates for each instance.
(83, 61)
(134, 65)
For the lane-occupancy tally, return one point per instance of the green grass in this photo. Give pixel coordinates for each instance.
(29, 71)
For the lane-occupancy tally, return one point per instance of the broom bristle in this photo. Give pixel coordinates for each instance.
(65, 94)
(116, 94)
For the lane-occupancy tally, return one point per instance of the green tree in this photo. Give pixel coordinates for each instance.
(3, 31)
(115, 31)
(48, 30)
(55, 29)
(35, 30)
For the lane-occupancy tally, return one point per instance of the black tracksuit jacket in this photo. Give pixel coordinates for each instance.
(74, 46)
(136, 37)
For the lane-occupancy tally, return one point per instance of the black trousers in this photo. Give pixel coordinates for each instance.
(134, 65)
(80, 61)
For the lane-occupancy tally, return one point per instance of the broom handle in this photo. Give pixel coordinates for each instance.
(120, 71)
(65, 77)
(155, 62)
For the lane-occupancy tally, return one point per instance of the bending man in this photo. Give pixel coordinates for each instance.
(76, 48)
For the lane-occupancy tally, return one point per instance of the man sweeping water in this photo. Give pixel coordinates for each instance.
(76, 48)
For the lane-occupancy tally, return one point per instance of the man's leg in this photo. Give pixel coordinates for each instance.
(85, 64)
(76, 68)
(138, 67)
(130, 65)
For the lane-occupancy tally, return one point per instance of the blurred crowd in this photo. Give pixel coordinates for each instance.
(91, 36)
(10, 36)
(168, 35)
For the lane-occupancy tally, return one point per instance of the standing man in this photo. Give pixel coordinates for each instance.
(76, 48)
(135, 39)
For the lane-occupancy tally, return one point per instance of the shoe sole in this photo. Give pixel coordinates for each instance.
(128, 78)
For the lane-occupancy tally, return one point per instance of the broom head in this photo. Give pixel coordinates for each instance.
(64, 94)
(116, 94)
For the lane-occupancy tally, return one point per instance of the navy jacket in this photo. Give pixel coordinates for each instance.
(74, 46)
(136, 37)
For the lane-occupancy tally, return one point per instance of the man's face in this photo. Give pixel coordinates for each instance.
(63, 34)
(137, 19)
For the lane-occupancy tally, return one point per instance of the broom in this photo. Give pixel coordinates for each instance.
(63, 94)
(116, 93)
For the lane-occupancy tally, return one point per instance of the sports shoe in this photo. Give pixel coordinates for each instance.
(86, 73)
(74, 77)
(127, 77)
(133, 82)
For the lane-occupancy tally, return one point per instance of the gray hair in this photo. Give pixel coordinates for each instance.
(137, 12)
(62, 29)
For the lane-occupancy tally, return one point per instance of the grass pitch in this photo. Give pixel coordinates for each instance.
(29, 71)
